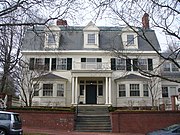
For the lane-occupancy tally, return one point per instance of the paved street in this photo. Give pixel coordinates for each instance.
(57, 132)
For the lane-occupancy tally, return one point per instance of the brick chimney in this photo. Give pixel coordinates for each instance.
(145, 21)
(61, 22)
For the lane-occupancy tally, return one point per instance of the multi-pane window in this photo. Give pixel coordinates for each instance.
(164, 91)
(145, 90)
(47, 89)
(130, 39)
(51, 38)
(39, 63)
(174, 68)
(142, 64)
(166, 66)
(120, 64)
(36, 89)
(134, 90)
(100, 90)
(61, 63)
(60, 90)
(122, 90)
(170, 67)
(91, 38)
(91, 63)
(82, 90)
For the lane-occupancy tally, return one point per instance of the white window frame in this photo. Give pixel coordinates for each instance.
(143, 64)
(121, 64)
(145, 90)
(88, 44)
(47, 92)
(60, 63)
(134, 88)
(60, 90)
(122, 90)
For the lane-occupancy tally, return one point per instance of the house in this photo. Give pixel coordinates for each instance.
(94, 65)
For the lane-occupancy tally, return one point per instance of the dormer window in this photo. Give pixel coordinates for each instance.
(52, 35)
(91, 39)
(91, 36)
(51, 38)
(129, 38)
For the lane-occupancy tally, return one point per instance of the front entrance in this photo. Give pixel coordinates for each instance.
(91, 94)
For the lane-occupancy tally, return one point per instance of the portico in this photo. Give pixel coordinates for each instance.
(91, 87)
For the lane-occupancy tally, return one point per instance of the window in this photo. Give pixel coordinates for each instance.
(51, 38)
(47, 89)
(4, 116)
(142, 63)
(81, 90)
(60, 90)
(145, 90)
(39, 64)
(91, 63)
(91, 38)
(100, 90)
(164, 91)
(120, 64)
(122, 90)
(36, 89)
(134, 90)
(174, 67)
(61, 64)
(166, 67)
(130, 39)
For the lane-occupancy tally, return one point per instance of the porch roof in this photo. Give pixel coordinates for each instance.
(50, 76)
(131, 77)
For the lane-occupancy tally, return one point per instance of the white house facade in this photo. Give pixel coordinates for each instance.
(93, 65)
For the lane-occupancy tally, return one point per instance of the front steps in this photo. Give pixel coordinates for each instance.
(93, 119)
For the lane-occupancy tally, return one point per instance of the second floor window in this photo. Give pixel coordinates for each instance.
(61, 63)
(170, 67)
(91, 63)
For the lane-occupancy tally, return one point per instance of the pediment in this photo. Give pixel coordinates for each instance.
(91, 27)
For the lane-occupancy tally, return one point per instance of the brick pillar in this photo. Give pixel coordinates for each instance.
(174, 107)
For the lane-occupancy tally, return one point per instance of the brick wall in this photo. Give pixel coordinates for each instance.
(47, 120)
(142, 122)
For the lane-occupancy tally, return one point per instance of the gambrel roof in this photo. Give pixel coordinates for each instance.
(71, 38)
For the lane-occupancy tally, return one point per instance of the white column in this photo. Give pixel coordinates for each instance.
(107, 93)
(72, 90)
(76, 91)
(110, 90)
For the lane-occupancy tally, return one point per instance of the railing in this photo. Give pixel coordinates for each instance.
(77, 106)
(91, 66)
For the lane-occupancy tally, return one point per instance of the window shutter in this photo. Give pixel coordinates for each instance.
(53, 64)
(31, 64)
(113, 64)
(69, 63)
(150, 64)
(47, 61)
(99, 60)
(83, 59)
(135, 64)
(128, 64)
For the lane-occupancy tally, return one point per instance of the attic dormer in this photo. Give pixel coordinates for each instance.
(91, 36)
(130, 38)
(52, 35)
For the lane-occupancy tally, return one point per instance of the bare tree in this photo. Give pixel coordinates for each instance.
(164, 16)
(15, 16)
(28, 82)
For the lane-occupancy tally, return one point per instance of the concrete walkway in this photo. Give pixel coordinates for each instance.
(58, 132)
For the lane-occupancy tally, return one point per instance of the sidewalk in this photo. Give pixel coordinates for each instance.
(58, 132)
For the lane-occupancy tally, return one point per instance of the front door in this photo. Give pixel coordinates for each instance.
(91, 94)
